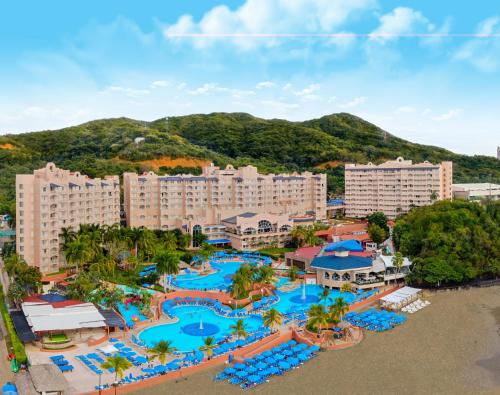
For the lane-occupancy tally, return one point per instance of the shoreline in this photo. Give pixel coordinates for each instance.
(451, 347)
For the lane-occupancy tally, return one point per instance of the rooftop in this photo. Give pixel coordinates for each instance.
(332, 262)
(47, 378)
(233, 219)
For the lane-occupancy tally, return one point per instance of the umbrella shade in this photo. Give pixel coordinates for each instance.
(275, 349)
(229, 371)
(270, 360)
(251, 369)
(241, 374)
(261, 365)
(314, 348)
(254, 378)
(240, 342)
(284, 365)
(273, 370)
(173, 366)
(250, 361)
(259, 357)
(302, 357)
(279, 357)
(293, 361)
(267, 353)
(240, 366)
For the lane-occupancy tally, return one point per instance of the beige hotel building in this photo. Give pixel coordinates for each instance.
(51, 199)
(394, 187)
(202, 203)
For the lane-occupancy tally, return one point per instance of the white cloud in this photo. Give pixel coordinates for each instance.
(447, 115)
(354, 102)
(159, 84)
(259, 23)
(401, 21)
(483, 52)
(287, 87)
(280, 105)
(332, 99)
(205, 89)
(308, 90)
(181, 86)
(265, 85)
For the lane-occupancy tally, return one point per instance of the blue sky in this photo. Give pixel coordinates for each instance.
(424, 70)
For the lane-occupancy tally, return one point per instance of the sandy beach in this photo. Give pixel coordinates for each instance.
(450, 347)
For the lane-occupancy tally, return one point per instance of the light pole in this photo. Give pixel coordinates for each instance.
(100, 387)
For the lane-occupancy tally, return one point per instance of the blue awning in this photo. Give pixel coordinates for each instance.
(218, 241)
(345, 245)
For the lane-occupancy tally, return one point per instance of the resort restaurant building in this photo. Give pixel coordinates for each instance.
(51, 199)
(394, 187)
(251, 231)
(197, 203)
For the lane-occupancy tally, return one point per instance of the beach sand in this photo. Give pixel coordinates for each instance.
(450, 347)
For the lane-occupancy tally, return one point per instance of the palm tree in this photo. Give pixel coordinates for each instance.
(169, 241)
(77, 252)
(239, 329)
(318, 317)
(208, 346)
(265, 275)
(134, 236)
(272, 318)
(161, 349)
(119, 364)
(238, 287)
(205, 253)
(147, 243)
(292, 272)
(397, 261)
(67, 235)
(12, 264)
(346, 287)
(167, 263)
(340, 306)
(324, 295)
(16, 293)
(298, 234)
(310, 238)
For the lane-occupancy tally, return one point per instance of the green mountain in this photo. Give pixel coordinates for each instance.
(181, 143)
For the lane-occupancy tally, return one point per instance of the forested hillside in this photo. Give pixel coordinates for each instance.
(107, 147)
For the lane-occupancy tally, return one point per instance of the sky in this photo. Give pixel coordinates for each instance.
(427, 71)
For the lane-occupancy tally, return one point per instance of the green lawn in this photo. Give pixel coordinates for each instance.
(275, 252)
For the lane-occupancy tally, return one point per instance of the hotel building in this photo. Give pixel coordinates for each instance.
(476, 192)
(394, 187)
(203, 203)
(51, 199)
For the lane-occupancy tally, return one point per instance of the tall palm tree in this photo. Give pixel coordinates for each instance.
(293, 272)
(134, 236)
(161, 349)
(397, 261)
(12, 264)
(239, 329)
(265, 275)
(167, 263)
(340, 306)
(309, 235)
(272, 318)
(324, 295)
(238, 287)
(208, 346)
(298, 234)
(318, 317)
(77, 252)
(205, 253)
(119, 364)
(169, 241)
(67, 235)
(147, 243)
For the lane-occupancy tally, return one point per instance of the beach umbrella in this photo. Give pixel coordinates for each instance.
(229, 371)
(279, 357)
(251, 369)
(261, 366)
(275, 349)
(240, 343)
(173, 366)
(254, 378)
(302, 357)
(284, 365)
(250, 361)
(287, 353)
(239, 366)
(314, 348)
(241, 374)
(273, 370)
(270, 360)
(259, 357)
(293, 361)
(267, 353)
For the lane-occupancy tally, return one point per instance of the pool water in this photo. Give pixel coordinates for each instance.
(129, 312)
(292, 300)
(220, 279)
(184, 334)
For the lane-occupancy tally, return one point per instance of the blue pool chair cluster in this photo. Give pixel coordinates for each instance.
(229, 346)
(130, 378)
(375, 320)
(62, 363)
(89, 364)
(277, 361)
(147, 271)
(362, 295)
(217, 306)
(265, 302)
(130, 354)
(137, 341)
(247, 257)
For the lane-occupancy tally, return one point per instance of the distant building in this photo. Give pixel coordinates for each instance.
(191, 203)
(139, 140)
(51, 199)
(476, 192)
(394, 187)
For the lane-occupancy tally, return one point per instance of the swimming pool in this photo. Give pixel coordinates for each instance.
(129, 312)
(292, 300)
(184, 334)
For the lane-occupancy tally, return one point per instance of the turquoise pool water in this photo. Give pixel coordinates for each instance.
(292, 301)
(190, 316)
(130, 311)
(221, 279)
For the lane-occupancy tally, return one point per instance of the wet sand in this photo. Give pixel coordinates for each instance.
(450, 347)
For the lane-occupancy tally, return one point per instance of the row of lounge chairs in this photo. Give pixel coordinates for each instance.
(415, 306)
(217, 306)
(375, 320)
(265, 302)
(277, 361)
(89, 364)
(62, 363)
